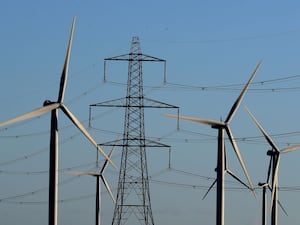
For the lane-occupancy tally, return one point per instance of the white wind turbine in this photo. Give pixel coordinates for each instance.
(54, 107)
(275, 154)
(221, 165)
(98, 175)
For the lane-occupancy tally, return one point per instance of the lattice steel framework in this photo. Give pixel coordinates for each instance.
(133, 205)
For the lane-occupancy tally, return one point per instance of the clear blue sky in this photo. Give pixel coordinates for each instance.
(211, 48)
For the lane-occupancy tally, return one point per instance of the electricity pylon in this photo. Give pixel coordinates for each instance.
(133, 205)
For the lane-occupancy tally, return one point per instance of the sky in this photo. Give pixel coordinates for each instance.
(211, 49)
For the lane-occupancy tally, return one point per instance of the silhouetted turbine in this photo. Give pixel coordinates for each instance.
(226, 170)
(53, 107)
(221, 126)
(265, 186)
(98, 175)
(275, 154)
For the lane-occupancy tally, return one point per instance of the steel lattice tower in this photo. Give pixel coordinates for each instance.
(133, 205)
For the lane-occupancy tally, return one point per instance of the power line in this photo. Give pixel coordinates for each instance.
(41, 172)
(35, 191)
(167, 137)
(36, 153)
(229, 87)
(9, 200)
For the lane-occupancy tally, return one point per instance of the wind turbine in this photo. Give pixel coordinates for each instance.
(266, 186)
(54, 107)
(226, 170)
(221, 127)
(275, 154)
(98, 175)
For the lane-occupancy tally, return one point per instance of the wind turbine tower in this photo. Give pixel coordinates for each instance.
(133, 205)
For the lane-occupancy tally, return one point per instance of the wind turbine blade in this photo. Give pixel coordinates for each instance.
(209, 189)
(238, 101)
(106, 161)
(108, 188)
(290, 149)
(239, 156)
(238, 179)
(83, 173)
(196, 120)
(275, 181)
(268, 138)
(34, 113)
(281, 206)
(84, 131)
(64, 75)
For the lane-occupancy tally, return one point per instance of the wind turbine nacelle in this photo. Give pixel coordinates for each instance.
(271, 152)
(47, 102)
(262, 184)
